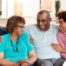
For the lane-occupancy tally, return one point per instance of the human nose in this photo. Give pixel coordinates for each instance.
(40, 23)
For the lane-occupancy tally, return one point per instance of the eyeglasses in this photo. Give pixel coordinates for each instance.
(20, 26)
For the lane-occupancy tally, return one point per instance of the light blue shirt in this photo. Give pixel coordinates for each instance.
(42, 41)
(24, 48)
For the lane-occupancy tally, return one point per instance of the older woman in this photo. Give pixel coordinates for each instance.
(15, 48)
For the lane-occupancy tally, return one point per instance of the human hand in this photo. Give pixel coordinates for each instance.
(56, 47)
(24, 62)
(15, 64)
(11, 64)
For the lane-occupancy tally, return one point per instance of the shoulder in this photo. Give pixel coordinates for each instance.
(3, 37)
(55, 25)
(24, 35)
(30, 29)
(6, 35)
(32, 26)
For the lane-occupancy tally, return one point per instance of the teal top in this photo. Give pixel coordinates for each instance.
(8, 47)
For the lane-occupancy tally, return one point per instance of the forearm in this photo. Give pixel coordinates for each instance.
(32, 59)
(58, 48)
(7, 63)
(63, 50)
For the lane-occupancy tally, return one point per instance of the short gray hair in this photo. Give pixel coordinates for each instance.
(44, 11)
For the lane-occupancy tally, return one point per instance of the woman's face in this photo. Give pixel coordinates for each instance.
(19, 29)
(62, 25)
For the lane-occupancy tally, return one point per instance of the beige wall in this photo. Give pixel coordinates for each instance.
(18, 7)
(3, 22)
(29, 20)
(46, 4)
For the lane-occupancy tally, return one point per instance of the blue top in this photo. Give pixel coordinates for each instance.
(23, 45)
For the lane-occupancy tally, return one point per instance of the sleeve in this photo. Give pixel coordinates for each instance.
(60, 39)
(28, 43)
(29, 47)
(2, 44)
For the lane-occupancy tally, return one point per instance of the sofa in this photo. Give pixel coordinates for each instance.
(2, 30)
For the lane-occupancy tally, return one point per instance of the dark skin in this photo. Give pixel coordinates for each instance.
(43, 22)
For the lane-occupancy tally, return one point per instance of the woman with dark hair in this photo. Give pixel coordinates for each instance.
(61, 36)
(15, 47)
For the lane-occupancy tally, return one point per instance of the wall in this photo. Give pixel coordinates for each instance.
(29, 20)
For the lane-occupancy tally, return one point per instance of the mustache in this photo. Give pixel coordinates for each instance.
(46, 26)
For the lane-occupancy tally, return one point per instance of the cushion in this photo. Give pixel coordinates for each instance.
(2, 30)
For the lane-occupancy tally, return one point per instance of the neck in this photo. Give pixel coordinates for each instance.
(14, 36)
(47, 28)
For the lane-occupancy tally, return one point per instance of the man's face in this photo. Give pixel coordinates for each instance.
(43, 22)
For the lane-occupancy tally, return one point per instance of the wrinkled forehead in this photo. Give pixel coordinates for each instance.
(42, 16)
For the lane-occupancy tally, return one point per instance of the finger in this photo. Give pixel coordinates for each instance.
(24, 64)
